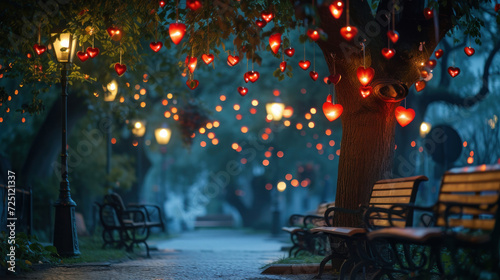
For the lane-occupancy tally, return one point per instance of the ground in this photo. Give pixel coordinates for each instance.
(201, 254)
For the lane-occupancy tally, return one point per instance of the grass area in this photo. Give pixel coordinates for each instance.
(300, 259)
(91, 251)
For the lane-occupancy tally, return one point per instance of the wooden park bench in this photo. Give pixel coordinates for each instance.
(127, 226)
(299, 226)
(462, 244)
(345, 242)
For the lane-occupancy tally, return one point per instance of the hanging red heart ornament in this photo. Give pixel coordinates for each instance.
(453, 71)
(162, 3)
(365, 91)
(469, 51)
(428, 13)
(313, 34)
(242, 91)
(39, 49)
(393, 36)
(365, 75)
(177, 31)
(192, 84)
(246, 77)
(431, 63)
(261, 23)
(93, 52)
(348, 32)
(404, 116)
(193, 4)
(156, 46)
(314, 75)
(439, 53)
(207, 58)
(290, 52)
(335, 79)
(304, 64)
(336, 9)
(253, 76)
(233, 60)
(267, 16)
(120, 68)
(388, 53)
(329, 98)
(424, 73)
(192, 64)
(275, 42)
(497, 7)
(326, 80)
(283, 66)
(115, 33)
(332, 111)
(420, 85)
(83, 56)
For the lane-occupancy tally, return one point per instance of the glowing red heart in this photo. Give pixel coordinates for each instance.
(283, 66)
(192, 61)
(420, 85)
(336, 9)
(469, 51)
(267, 16)
(348, 32)
(193, 4)
(365, 91)
(313, 75)
(275, 42)
(365, 75)
(83, 56)
(326, 80)
(431, 63)
(115, 33)
(329, 98)
(404, 116)
(313, 34)
(428, 13)
(388, 53)
(497, 7)
(39, 49)
(243, 91)
(120, 68)
(177, 31)
(162, 3)
(393, 36)
(245, 77)
(453, 71)
(233, 60)
(261, 23)
(290, 52)
(439, 53)
(304, 64)
(92, 52)
(335, 79)
(332, 111)
(424, 73)
(253, 76)
(156, 46)
(192, 84)
(207, 58)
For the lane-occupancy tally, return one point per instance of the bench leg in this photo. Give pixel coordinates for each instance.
(322, 266)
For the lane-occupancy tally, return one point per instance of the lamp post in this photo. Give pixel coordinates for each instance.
(275, 113)
(162, 135)
(65, 237)
(139, 129)
(109, 97)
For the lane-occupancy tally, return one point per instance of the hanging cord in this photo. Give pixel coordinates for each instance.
(176, 11)
(314, 57)
(389, 29)
(39, 33)
(364, 54)
(252, 58)
(347, 12)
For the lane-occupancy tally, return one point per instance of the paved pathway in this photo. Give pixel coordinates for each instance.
(204, 254)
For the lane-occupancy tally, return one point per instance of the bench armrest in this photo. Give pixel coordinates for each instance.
(296, 220)
(133, 213)
(314, 221)
(331, 210)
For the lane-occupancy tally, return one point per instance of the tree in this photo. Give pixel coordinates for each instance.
(368, 123)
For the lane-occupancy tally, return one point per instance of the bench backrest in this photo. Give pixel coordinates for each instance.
(478, 185)
(389, 192)
(322, 207)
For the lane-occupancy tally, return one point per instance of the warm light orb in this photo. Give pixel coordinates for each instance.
(163, 135)
(275, 110)
(281, 186)
(425, 127)
(139, 129)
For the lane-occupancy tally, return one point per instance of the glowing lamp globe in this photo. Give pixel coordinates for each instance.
(112, 88)
(425, 128)
(139, 129)
(275, 110)
(64, 46)
(163, 135)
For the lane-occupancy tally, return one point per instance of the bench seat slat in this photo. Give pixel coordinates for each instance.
(392, 193)
(470, 187)
(386, 200)
(472, 199)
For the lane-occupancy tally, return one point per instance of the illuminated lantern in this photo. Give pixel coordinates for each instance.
(365, 91)
(139, 128)
(283, 66)
(177, 31)
(163, 134)
(267, 16)
(275, 110)
(336, 9)
(393, 36)
(192, 61)
(313, 34)
(404, 116)
(420, 85)
(388, 53)
(332, 111)
(348, 32)
(207, 58)
(365, 75)
(275, 42)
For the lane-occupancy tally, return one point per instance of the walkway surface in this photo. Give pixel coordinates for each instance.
(201, 254)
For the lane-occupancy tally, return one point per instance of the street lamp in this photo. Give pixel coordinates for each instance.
(109, 97)
(162, 136)
(139, 129)
(275, 113)
(65, 237)
(425, 128)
